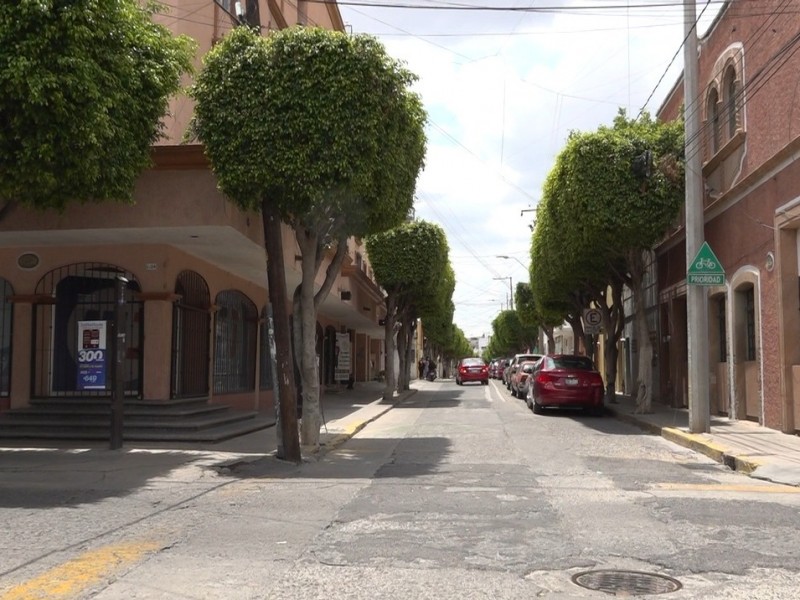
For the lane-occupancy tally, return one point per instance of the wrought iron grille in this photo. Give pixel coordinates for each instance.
(236, 328)
(191, 323)
(83, 292)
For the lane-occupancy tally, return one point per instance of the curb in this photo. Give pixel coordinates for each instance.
(695, 442)
(352, 429)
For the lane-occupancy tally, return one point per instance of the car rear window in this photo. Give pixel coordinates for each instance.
(471, 362)
(581, 363)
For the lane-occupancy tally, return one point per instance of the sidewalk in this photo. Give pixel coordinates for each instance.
(741, 445)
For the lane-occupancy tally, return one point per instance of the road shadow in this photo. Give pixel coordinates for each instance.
(43, 478)
(358, 458)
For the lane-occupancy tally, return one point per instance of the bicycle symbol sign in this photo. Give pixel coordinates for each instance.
(705, 264)
(705, 269)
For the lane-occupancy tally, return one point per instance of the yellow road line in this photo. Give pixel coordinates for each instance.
(710, 487)
(66, 580)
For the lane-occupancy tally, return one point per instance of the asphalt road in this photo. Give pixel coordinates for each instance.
(460, 492)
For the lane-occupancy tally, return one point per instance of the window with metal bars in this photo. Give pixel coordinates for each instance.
(723, 335)
(236, 324)
(750, 319)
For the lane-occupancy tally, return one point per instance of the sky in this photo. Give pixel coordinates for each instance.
(503, 87)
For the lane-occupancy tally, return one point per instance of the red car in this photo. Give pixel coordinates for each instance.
(472, 369)
(565, 381)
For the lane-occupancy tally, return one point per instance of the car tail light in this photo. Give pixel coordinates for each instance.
(545, 378)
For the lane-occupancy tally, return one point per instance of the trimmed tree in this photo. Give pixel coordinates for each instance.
(610, 197)
(410, 263)
(321, 128)
(85, 84)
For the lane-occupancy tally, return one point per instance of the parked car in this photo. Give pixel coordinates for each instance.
(519, 381)
(472, 369)
(496, 368)
(565, 381)
(515, 362)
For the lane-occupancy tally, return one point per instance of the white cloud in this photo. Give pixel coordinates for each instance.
(502, 90)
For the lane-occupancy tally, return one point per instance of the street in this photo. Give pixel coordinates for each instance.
(457, 492)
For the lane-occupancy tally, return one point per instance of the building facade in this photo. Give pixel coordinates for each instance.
(182, 271)
(748, 77)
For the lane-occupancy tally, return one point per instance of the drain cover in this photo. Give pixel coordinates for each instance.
(626, 582)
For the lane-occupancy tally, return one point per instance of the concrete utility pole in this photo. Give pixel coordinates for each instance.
(696, 300)
(510, 291)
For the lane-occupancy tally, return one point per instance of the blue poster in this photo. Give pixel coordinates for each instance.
(92, 355)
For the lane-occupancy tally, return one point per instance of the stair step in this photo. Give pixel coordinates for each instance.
(75, 413)
(89, 418)
(214, 434)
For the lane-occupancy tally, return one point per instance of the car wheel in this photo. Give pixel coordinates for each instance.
(528, 401)
(485, 382)
(537, 408)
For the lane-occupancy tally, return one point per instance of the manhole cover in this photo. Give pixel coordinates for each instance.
(626, 582)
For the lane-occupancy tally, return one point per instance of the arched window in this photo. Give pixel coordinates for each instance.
(731, 90)
(712, 121)
(235, 343)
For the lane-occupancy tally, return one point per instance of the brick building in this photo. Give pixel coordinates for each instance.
(748, 82)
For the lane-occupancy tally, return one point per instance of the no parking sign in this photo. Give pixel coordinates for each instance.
(592, 321)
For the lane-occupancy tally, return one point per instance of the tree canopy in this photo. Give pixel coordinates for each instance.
(84, 86)
(611, 195)
(321, 123)
(411, 262)
(320, 128)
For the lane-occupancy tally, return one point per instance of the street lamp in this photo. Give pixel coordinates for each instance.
(512, 258)
(510, 291)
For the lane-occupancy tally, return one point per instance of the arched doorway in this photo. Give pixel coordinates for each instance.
(77, 316)
(191, 323)
(236, 330)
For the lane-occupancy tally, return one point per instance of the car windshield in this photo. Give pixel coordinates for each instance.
(581, 363)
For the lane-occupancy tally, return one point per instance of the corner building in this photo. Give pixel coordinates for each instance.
(194, 309)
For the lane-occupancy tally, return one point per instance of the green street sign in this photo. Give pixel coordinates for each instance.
(705, 269)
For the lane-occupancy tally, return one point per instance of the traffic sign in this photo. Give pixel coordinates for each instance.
(592, 318)
(705, 269)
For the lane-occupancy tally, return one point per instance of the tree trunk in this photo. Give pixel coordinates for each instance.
(402, 353)
(276, 279)
(614, 322)
(551, 341)
(391, 309)
(307, 326)
(644, 375)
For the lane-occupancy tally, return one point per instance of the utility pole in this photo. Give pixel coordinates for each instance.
(696, 299)
(510, 291)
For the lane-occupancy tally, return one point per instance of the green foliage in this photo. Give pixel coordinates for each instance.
(458, 346)
(611, 192)
(509, 334)
(84, 86)
(319, 122)
(411, 258)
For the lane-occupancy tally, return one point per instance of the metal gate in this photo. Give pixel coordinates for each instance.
(74, 294)
(6, 313)
(191, 325)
